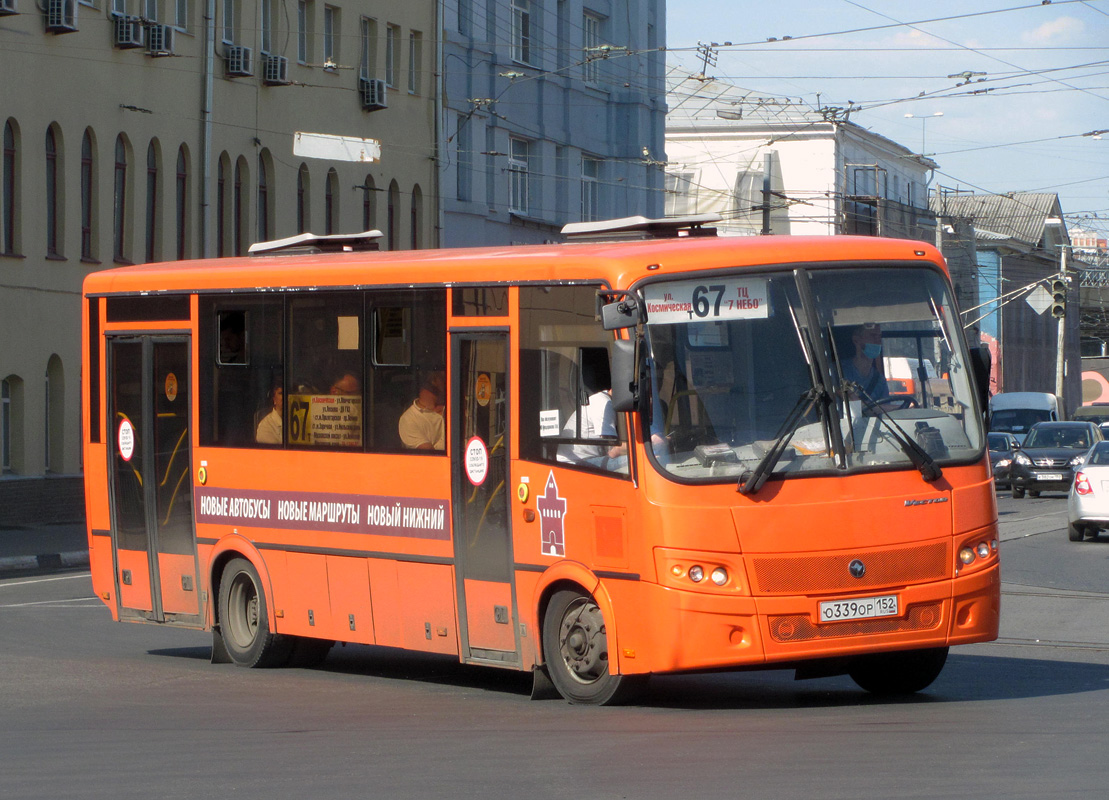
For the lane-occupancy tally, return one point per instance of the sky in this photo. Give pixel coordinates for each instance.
(1038, 80)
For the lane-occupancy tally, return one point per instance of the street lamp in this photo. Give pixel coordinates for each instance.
(923, 121)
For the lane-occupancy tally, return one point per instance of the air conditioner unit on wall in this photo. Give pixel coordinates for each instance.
(128, 32)
(275, 70)
(240, 61)
(373, 94)
(7, 7)
(61, 16)
(159, 40)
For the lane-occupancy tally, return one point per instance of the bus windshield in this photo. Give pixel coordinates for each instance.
(795, 365)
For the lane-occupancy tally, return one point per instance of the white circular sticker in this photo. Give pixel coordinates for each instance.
(126, 440)
(477, 461)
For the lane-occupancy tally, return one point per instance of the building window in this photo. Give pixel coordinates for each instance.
(392, 54)
(392, 222)
(521, 31)
(267, 25)
(590, 188)
(302, 31)
(302, 199)
(120, 202)
(7, 192)
(263, 200)
(369, 210)
(416, 217)
(221, 207)
(150, 10)
(229, 12)
(88, 195)
(181, 15)
(464, 167)
(5, 426)
(465, 17)
(369, 49)
(591, 41)
(53, 206)
(238, 210)
(182, 197)
(330, 35)
(518, 175)
(415, 50)
(152, 211)
(331, 201)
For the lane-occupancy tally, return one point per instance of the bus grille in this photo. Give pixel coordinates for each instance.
(798, 627)
(830, 573)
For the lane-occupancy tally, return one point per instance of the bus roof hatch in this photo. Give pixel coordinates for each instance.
(642, 228)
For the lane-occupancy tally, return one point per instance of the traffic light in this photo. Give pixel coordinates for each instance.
(1058, 298)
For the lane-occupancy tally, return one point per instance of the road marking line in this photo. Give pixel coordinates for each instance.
(47, 580)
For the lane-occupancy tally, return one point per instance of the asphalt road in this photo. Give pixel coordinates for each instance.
(94, 709)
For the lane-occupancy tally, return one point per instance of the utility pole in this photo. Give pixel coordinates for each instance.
(767, 165)
(1061, 330)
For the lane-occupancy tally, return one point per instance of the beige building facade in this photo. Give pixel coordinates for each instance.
(135, 132)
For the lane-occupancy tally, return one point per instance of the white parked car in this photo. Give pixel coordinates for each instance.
(1088, 501)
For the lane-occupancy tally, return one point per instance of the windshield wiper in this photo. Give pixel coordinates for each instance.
(751, 482)
(920, 457)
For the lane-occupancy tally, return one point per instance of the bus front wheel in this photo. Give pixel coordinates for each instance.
(902, 672)
(575, 646)
(244, 620)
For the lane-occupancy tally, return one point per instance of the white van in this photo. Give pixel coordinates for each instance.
(1016, 412)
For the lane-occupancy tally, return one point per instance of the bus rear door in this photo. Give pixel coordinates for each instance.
(153, 538)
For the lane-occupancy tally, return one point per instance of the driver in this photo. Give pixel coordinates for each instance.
(865, 367)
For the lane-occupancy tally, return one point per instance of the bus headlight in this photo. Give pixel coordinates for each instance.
(983, 550)
(719, 576)
(966, 555)
(696, 574)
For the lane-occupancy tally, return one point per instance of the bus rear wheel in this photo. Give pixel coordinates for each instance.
(575, 645)
(903, 672)
(244, 619)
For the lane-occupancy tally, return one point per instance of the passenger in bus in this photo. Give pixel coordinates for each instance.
(422, 425)
(232, 338)
(270, 427)
(598, 420)
(865, 367)
(347, 385)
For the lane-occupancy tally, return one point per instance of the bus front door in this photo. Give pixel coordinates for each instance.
(482, 533)
(153, 537)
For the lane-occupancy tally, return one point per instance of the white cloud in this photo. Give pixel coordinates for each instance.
(1059, 29)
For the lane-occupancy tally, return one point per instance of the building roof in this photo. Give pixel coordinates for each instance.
(1019, 216)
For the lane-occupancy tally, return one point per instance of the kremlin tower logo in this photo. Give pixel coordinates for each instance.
(552, 510)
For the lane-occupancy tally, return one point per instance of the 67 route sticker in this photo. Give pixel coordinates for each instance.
(707, 300)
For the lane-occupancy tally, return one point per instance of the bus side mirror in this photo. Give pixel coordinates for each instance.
(625, 383)
(623, 313)
(980, 366)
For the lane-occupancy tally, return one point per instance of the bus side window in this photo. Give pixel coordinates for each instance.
(324, 380)
(240, 350)
(566, 412)
(409, 332)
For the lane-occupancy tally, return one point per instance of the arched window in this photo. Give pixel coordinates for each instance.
(240, 208)
(369, 204)
(263, 199)
(53, 204)
(54, 431)
(182, 198)
(8, 184)
(416, 217)
(11, 424)
(392, 221)
(221, 205)
(331, 201)
(88, 197)
(119, 202)
(302, 199)
(153, 212)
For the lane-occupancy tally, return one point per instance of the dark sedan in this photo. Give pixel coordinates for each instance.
(1048, 456)
(1002, 447)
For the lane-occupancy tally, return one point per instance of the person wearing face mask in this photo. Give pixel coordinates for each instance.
(865, 367)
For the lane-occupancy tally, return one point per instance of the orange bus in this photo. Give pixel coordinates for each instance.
(596, 461)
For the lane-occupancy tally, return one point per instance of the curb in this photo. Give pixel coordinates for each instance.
(47, 561)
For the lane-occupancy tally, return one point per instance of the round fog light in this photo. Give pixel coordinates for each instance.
(966, 555)
(983, 550)
(696, 574)
(719, 576)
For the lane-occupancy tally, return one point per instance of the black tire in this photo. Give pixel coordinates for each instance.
(1076, 533)
(575, 645)
(1033, 494)
(244, 619)
(1016, 492)
(903, 672)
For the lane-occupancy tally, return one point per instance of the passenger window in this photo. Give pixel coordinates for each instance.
(565, 387)
(241, 347)
(323, 406)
